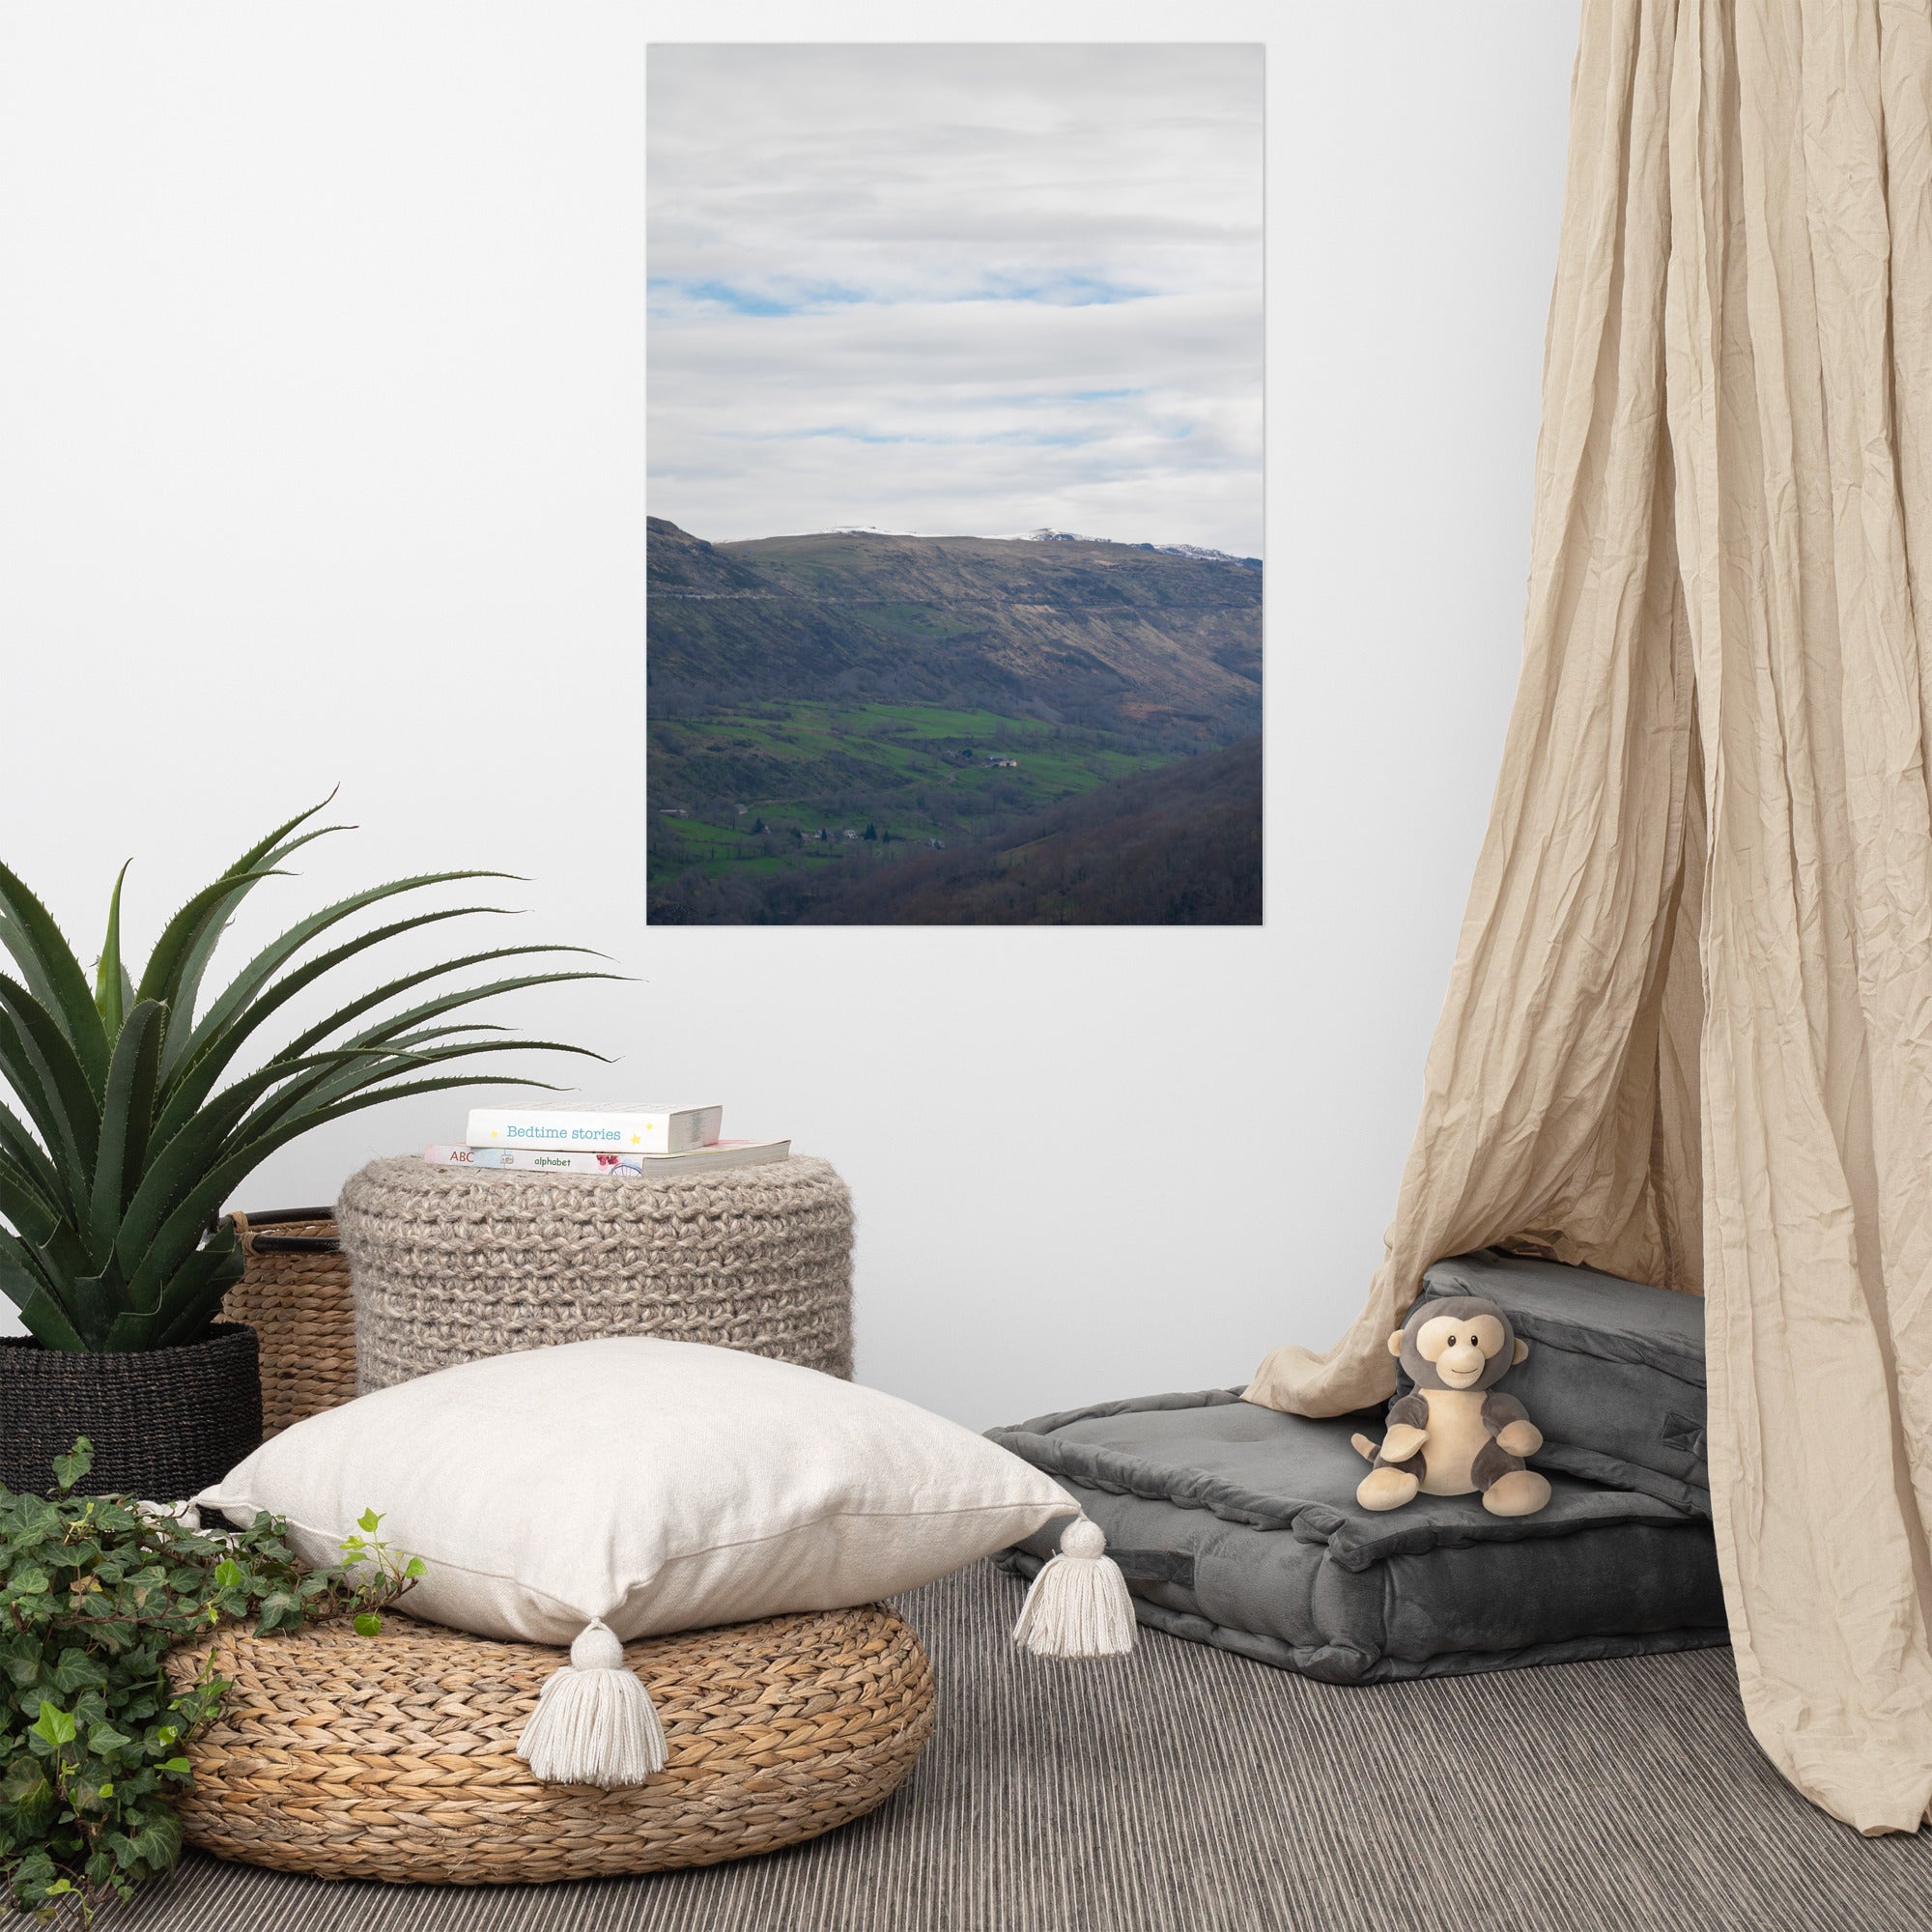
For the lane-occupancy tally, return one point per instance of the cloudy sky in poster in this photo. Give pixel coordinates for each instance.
(957, 289)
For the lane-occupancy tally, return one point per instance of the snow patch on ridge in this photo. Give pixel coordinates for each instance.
(1198, 551)
(1195, 551)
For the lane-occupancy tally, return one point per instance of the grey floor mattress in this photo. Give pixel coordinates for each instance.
(1238, 1526)
(1615, 1374)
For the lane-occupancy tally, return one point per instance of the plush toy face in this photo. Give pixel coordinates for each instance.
(1457, 1342)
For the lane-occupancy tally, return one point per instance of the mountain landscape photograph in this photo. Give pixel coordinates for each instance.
(955, 584)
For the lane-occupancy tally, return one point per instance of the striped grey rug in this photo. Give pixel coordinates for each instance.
(1189, 1791)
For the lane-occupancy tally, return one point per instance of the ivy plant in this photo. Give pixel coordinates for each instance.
(95, 1591)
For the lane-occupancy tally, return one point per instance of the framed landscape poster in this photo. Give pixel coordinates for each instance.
(955, 475)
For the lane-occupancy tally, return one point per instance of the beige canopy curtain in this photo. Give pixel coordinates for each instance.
(1689, 1032)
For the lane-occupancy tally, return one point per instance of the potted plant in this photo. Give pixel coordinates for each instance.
(131, 1124)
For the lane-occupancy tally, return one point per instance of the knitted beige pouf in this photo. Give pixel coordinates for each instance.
(453, 1263)
(394, 1756)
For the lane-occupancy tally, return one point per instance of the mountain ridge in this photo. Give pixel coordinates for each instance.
(1152, 641)
(1046, 535)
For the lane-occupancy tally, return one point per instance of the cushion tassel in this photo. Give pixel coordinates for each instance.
(594, 1722)
(1078, 1605)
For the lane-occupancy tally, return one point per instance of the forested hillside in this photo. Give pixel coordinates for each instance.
(1180, 846)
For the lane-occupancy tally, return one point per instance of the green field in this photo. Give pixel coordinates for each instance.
(777, 787)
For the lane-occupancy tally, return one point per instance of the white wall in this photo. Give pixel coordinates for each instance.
(322, 458)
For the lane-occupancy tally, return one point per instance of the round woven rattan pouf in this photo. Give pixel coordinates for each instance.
(452, 1263)
(394, 1756)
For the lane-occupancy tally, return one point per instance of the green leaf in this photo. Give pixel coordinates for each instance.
(162, 979)
(43, 1069)
(279, 1608)
(231, 1018)
(179, 1161)
(186, 1143)
(451, 1002)
(183, 949)
(263, 859)
(58, 1163)
(189, 1298)
(95, 1300)
(218, 1037)
(47, 964)
(53, 1725)
(176, 1767)
(131, 1333)
(25, 1788)
(74, 1672)
(69, 1468)
(110, 977)
(368, 1624)
(26, 1208)
(369, 1522)
(127, 1113)
(25, 1285)
(444, 1002)
(154, 1847)
(18, 1145)
(228, 1574)
(23, 1661)
(414, 1568)
(103, 1738)
(324, 1089)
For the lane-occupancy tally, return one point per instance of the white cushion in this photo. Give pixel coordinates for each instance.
(655, 1486)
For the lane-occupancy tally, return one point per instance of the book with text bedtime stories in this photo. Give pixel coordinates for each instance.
(540, 1160)
(632, 1129)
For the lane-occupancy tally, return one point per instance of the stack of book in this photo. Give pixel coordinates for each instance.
(603, 1140)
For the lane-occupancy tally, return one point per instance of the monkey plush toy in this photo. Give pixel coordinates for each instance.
(1456, 1434)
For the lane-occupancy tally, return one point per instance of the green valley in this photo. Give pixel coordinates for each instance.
(826, 709)
(785, 786)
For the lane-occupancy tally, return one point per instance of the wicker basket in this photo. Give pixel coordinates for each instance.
(295, 1295)
(394, 1756)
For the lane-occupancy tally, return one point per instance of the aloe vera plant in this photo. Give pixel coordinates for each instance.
(124, 1140)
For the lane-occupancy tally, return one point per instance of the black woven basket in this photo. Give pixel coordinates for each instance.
(164, 1422)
